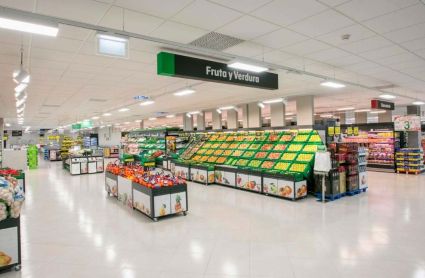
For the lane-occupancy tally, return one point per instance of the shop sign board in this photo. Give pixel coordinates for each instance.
(16, 132)
(169, 64)
(349, 130)
(379, 104)
(76, 126)
(407, 123)
(356, 130)
(86, 124)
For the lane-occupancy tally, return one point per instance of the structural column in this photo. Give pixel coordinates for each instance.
(414, 110)
(232, 119)
(342, 118)
(245, 118)
(187, 123)
(277, 114)
(360, 118)
(305, 110)
(200, 121)
(142, 124)
(216, 120)
(254, 115)
(2, 137)
(386, 117)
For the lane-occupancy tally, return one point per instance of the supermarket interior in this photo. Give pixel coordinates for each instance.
(212, 138)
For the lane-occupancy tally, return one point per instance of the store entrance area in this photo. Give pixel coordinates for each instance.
(71, 227)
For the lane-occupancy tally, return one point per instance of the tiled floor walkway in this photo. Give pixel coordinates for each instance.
(71, 228)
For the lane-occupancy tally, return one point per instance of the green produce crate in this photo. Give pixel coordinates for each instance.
(237, 153)
(224, 146)
(273, 138)
(306, 172)
(283, 138)
(209, 151)
(311, 161)
(282, 164)
(262, 152)
(221, 159)
(255, 163)
(279, 145)
(301, 138)
(254, 146)
(218, 152)
(244, 145)
(261, 138)
(216, 145)
(276, 155)
(285, 158)
(267, 146)
(231, 160)
(235, 146)
(307, 147)
(249, 154)
(268, 161)
(299, 146)
(242, 162)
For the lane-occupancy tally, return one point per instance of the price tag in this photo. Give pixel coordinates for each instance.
(349, 130)
(331, 130)
(337, 130)
(356, 130)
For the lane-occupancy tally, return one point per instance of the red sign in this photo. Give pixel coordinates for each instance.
(379, 104)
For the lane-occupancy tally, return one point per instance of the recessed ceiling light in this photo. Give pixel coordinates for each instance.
(362, 110)
(147, 102)
(95, 118)
(345, 108)
(332, 84)
(152, 119)
(273, 100)
(387, 96)
(261, 105)
(107, 114)
(378, 112)
(34, 25)
(126, 123)
(170, 116)
(218, 110)
(418, 102)
(7, 124)
(124, 109)
(138, 121)
(243, 66)
(227, 107)
(184, 92)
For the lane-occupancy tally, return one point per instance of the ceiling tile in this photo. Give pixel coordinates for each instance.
(247, 28)
(25, 5)
(143, 57)
(285, 12)
(140, 23)
(361, 66)
(383, 52)
(85, 68)
(322, 23)
(94, 60)
(163, 8)
(71, 32)
(84, 76)
(117, 72)
(247, 49)
(345, 61)
(361, 10)
(128, 65)
(421, 53)
(413, 70)
(177, 32)
(48, 64)
(407, 34)
(414, 45)
(245, 6)
(375, 70)
(333, 3)
(280, 38)
(40, 53)
(357, 32)
(274, 56)
(306, 47)
(405, 57)
(397, 20)
(113, 18)
(366, 44)
(328, 54)
(56, 43)
(203, 14)
(409, 64)
(79, 10)
(298, 63)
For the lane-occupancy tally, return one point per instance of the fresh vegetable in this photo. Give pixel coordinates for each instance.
(315, 138)
(306, 157)
(281, 166)
(267, 164)
(298, 167)
(285, 138)
(254, 146)
(267, 147)
(310, 148)
(295, 147)
(248, 154)
(288, 156)
(273, 138)
(274, 155)
(254, 163)
(301, 138)
(261, 155)
(237, 153)
(242, 162)
(279, 147)
(243, 146)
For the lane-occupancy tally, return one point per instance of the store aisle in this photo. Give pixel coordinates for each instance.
(71, 228)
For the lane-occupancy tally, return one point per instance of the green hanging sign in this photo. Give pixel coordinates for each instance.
(76, 126)
(86, 124)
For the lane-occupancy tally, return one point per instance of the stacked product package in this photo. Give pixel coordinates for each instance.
(11, 198)
(409, 160)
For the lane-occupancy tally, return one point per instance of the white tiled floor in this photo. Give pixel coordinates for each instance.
(71, 228)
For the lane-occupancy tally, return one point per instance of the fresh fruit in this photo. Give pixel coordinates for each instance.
(243, 146)
(237, 153)
(273, 138)
(214, 138)
(315, 138)
(221, 160)
(267, 147)
(224, 146)
(218, 152)
(204, 158)
(4, 259)
(196, 158)
(306, 157)
(242, 162)
(230, 160)
(249, 138)
(233, 146)
(254, 146)
(231, 138)
(310, 148)
(288, 156)
(261, 155)
(227, 152)
(212, 159)
(240, 138)
(207, 145)
(281, 166)
(267, 164)
(162, 210)
(222, 138)
(254, 163)
(178, 205)
(279, 147)
(298, 167)
(215, 145)
(209, 151)
(260, 138)
(301, 138)
(294, 147)
(274, 155)
(248, 154)
(285, 138)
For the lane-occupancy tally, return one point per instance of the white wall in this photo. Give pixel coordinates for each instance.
(113, 134)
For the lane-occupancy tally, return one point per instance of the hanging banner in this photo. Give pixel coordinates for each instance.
(407, 123)
(169, 64)
(349, 130)
(356, 130)
(379, 104)
(86, 124)
(331, 130)
(337, 130)
(76, 126)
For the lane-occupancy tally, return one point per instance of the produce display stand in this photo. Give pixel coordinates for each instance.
(225, 175)
(152, 202)
(54, 155)
(202, 174)
(182, 169)
(20, 177)
(10, 243)
(83, 164)
(292, 187)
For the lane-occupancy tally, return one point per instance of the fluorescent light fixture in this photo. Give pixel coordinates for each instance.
(418, 102)
(345, 108)
(95, 118)
(242, 66)
(21, 87)
(112, 45)
(117, 124)
(218, 111)
(20, 102)
(35, 25)
(21, 96)
(288, 118)
(362, 110)
(325, 115)
(7, 124)
(20, 110)
(124, 109)
(184, 92)
(267, 118)
(261, 105)
(188, 115)
(288, 114)
(332, 84)
(86, 120)
(126, 123)
(147, 102)
(240, 120)
(387, 96)
(138, 121)
(378, 112)
(273, 100)
(193, 112)
(21, 76)
(227, 107)
(107, 114)
(170, 116)
(152, 119)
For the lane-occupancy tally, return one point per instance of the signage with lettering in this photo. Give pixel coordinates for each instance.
(169, 64)
(349, 130)
(331, 130)
(16, 132)
(407, 123)
(356, 130)
(86, 124)
(76, 126)
(379, 104)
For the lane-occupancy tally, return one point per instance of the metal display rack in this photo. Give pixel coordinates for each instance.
(10, 243)
(82, 164)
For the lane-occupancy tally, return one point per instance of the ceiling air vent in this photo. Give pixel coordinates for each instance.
(386, 87)
(216, 41)
(96, 100)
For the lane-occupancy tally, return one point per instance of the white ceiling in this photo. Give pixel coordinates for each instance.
(387, 46)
